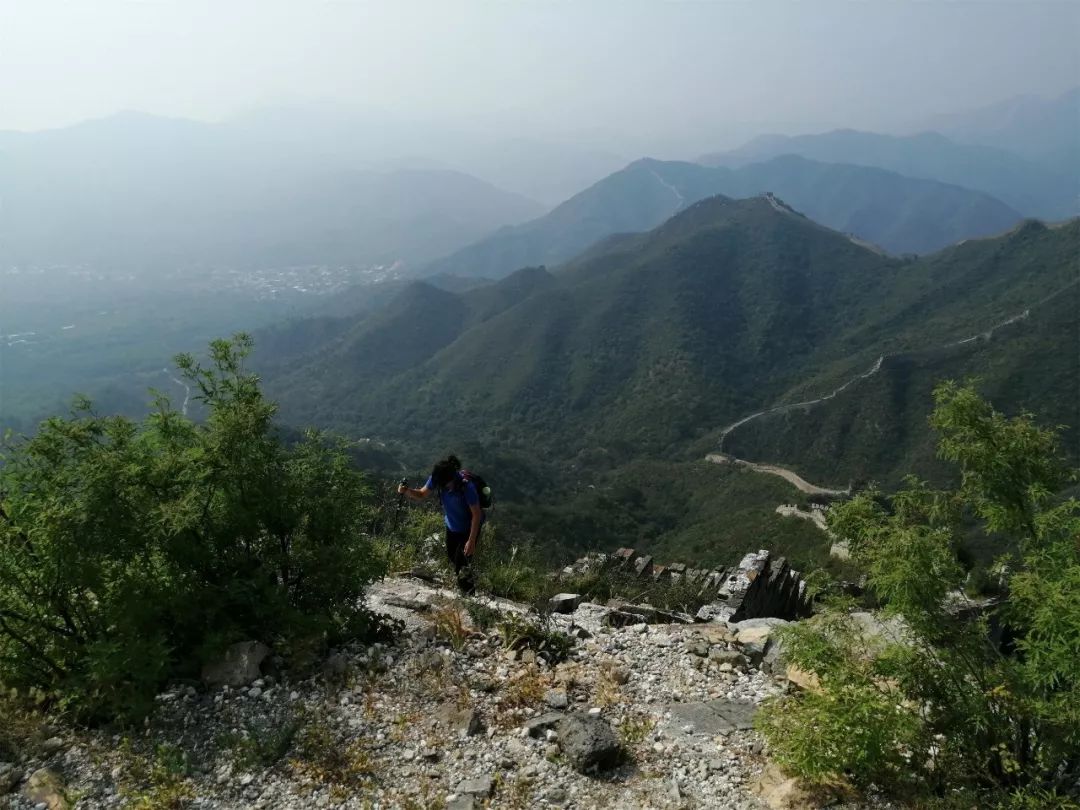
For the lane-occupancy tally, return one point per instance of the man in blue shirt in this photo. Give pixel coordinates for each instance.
(461, 512)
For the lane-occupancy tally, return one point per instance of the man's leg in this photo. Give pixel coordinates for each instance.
(455, 549)
(465, 577)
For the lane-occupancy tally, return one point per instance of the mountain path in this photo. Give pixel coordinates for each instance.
(678, 194)
(794, 478)
(182, 384)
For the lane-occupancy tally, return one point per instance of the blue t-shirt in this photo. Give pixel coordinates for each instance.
(456, 503)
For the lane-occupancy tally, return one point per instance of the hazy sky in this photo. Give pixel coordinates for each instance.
(655, 67)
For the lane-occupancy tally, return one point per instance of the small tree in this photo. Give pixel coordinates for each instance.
(130, 552)
(981, 710)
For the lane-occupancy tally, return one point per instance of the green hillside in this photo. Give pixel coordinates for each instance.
(876, 429)
(652, 342)
(900, 214)
(566, 386)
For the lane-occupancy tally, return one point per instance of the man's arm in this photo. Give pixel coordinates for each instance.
(474, 529)
(414, 494)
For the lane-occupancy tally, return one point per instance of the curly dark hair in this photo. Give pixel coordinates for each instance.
(445, 471)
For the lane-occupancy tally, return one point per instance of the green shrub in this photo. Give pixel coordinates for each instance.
(263, 744)
(482, 616)
(155, 782)
(523, 632)
(411, 537)
(945, 710)
(510, 571)
(132, 552)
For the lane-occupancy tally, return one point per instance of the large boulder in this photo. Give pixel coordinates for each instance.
(755, 636)
(46, 787)
(10, 776)
(879, 632)
(240, 665)
(710, 718)
(465, 722)
(589, 743)
(782, 792)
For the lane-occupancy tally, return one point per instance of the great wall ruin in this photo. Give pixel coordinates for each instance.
(760, 586)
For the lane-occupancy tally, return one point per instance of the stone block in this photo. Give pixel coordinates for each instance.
(565, 602)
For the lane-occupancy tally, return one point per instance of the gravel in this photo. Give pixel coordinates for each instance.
(423, 724)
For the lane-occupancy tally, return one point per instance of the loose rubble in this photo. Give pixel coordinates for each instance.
(638, 716)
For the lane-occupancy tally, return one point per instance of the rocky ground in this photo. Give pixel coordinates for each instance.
(640, 716)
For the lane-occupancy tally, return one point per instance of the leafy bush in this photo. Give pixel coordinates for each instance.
(947, 709)
(130, 553)
(512, 571)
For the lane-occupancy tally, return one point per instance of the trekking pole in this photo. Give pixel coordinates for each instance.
(400, 502)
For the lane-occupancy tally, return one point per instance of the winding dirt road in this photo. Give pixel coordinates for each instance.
(802, 484)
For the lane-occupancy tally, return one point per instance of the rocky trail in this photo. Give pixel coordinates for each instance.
(638, 716)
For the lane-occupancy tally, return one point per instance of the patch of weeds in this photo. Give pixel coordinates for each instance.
(555, 756)
(451, 626)
(518, 795)
(522, 691)
(608, 686)
(482, 616)
(429, 799)
(262, 745)
(429, 669)
(157, 782)
(22, 727)
(343, 767)
(522, 632)
(413, 538)
(402, 723)
(635, 729)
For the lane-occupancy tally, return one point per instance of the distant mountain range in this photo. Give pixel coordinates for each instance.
(147, 193)
(1044, 130)
(1031, 188)
(898, 213)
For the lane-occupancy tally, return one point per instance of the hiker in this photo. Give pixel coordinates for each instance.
(462, 513)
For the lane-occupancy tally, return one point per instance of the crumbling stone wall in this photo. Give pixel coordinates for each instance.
(759, 586)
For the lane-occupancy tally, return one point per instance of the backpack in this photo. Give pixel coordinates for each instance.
(482, 489)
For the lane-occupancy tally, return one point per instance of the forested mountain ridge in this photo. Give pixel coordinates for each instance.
(679, 317)
(876, 428)
(660, 338)
(620, 368)
(901, 214)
